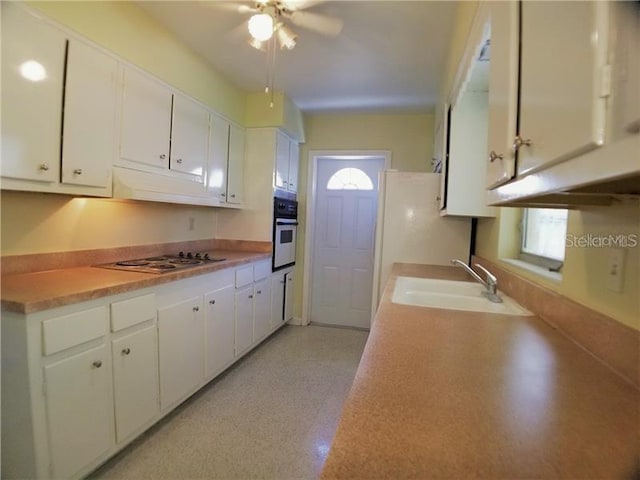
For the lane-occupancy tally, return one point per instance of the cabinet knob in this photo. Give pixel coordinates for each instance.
(212, 302)
(196, 309)
(44, 167)
(285, 182)
(519, 141)
(233, 195)
(259, 292)
(179, 160)
(77, 171)
(281, 281)
(291, 184)
(162, 156)
(126, 351)
(223, 194)
(250, 296)
(97, 364)
(493, 156)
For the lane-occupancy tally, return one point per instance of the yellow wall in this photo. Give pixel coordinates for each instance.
(43, 223)
(585, 268)
(130, 33)
(283, 114)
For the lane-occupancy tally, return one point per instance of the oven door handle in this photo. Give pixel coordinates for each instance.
(287, 223)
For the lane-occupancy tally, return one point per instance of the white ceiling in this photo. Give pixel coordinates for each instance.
(389, 55)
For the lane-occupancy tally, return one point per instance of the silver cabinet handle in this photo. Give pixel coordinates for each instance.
(212, 302)
(162, 156)
(179, 160)
(493, 156)
(519, 141)
(126, 351)
(97, 364)
(250, 296)
(44, 167)
(77, 171)
(196, 309)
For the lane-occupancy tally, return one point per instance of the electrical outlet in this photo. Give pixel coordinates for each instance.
(615, 269)
(192, 223)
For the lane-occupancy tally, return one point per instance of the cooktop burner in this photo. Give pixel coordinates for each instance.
(164, 263)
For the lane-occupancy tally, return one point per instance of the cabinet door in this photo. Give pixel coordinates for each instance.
(503, 92)
(563, 46)
(288, 297)
(79, 410)
(189, 136)
(219, 329)
(262, 309)
(135, 380)
(282, 161)
(277, 300)
(294, 162)
(89, 139)
(244, 319)
(181, 347)
(146, 120)
(32, 81)
(235, 180)
(218, 157)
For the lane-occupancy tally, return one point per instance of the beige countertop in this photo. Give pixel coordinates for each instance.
(32, 292)
(453, 394)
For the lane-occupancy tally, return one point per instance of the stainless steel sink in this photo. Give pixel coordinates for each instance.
(451, 295)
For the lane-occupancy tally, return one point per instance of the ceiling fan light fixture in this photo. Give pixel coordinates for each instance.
(286, 37)
(261, 26)
(257, 44)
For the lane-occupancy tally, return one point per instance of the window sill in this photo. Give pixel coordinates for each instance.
(536, 269)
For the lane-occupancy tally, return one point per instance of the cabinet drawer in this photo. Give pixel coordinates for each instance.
(244, 276)
(261, 270)
(133, 311)
(65, 332)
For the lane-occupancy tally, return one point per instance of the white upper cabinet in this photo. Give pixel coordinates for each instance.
(33, 56)
(235, 171)
(286, 163)
(146, 120)
(503, 93)
(575, 97)
(89, 132)
(189, 136)
(562, 87)
(218, 156)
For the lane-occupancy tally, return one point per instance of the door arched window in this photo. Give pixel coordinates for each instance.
(350, 179)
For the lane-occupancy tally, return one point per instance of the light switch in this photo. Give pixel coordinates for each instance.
(615, 269)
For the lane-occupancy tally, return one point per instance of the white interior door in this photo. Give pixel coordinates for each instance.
(345, 215)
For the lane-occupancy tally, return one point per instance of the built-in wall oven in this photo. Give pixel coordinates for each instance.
(285, 225)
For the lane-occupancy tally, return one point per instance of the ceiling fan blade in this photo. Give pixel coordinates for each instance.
(317, 22)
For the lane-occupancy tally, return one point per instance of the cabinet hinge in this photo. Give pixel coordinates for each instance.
(605, 81)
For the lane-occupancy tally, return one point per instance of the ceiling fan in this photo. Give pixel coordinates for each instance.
(269, 18)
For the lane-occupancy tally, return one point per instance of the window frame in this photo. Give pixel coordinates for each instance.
(548, 263)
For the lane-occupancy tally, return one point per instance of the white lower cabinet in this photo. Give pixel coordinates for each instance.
(135, 380)
(219, 330)
(82, 381)
(277, 300)
(181, 347)
(262, 309)
(79, 410)
(244, 319)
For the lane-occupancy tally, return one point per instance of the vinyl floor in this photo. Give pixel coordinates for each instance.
(270, 416)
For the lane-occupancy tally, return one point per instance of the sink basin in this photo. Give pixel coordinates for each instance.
(451, 295)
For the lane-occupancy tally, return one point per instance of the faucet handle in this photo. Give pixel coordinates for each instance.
(491, 278)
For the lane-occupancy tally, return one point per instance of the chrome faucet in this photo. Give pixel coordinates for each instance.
(490, 285)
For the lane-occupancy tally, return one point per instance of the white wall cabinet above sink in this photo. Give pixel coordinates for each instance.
(575, 94)
(46, 72)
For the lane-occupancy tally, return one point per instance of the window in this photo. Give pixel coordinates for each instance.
(543, 237)
(350, 179)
